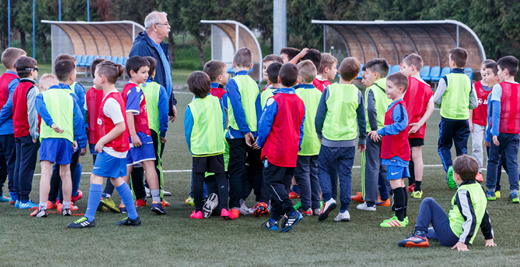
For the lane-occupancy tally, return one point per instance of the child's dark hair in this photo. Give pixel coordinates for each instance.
(307, 70)
(288, 74)
(466, 167)
(510, 63)
(379, 65)
(493, 66)
(291, 52)
(327, 60)
(460, 56)
(243, 58)
(349, 68)
(153, 65)
(488, 61)
(65, 57)
(273, 58)
(11, 55)
(110, 70)
(273, 71)
(135, 63)
(399, 80)
(94, 65)
(214, 68)
(315, 56)
(24, 66)
(414, 59)
(199, 84)
(64, 69)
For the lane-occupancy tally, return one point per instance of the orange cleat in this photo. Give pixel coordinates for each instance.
(235, 212)
(358, 197)
(382, 203)
(52, 206)
(60, 206)
(410, 188)
(226, 215)
(165, 203)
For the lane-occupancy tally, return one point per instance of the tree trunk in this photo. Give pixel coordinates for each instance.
(4, 42)
(23, 42)
(201, 52)
(43, 41)
(172, 47)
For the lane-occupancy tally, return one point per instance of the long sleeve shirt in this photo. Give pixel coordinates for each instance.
(188, 123)
(443, 85)
(32, 114)
(268, 115)
(163, 111)
(400, 118)
(235, 100)
(6, 124)
(361, 122)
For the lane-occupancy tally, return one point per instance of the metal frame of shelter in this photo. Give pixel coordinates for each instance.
(234, 35)
(432, 39)
(100, 38)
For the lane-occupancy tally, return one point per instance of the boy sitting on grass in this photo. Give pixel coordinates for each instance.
(458, 228)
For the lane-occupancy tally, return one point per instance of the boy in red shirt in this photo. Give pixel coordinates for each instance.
(419, 104)
(326, 71)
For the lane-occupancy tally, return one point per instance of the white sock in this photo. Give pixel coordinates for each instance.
(66, 205)
(156, 195)
(43, 205)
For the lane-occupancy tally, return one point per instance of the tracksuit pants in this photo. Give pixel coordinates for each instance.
(327, 159)
(477, 137)
(306, 176)
(7, 164)
(432, 213)
(373, 173)
(26, 157)
(278, 181)
(509, 147)
(452, 132)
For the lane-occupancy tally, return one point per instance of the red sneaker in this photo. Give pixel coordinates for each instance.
(140, 203)
(358, 197)
(78, 197)
(196, 215)
(261, 209)
(226, 215)
(410, 188)
(236, 213)
(293, 195)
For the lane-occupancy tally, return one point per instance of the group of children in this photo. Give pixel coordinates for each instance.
(300, 130)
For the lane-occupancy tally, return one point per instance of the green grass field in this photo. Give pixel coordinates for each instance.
(177, 240)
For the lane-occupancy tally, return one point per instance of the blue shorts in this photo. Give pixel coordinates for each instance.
(397, 172)
(92, 148)
(145, 152)
(56, 150)
(109, 167)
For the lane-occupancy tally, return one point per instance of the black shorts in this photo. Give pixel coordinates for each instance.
(213, 164)
(416, 142)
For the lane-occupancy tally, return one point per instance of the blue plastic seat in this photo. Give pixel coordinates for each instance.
(252, 68)
(119, 60)
(231, 70)
(80, 60)
(124, 61)
(360, 74)
(435, 73)
(425, 73)
(89, 61)
(445, 71)
(113, 59)
(469, 71)
(394, 69)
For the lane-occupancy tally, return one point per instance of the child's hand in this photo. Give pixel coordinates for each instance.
(374, 136)
(490, 243)
(56, 128)
(249, 139)
(83, 152)
(136, 141)
(415, 127)
(255, 146)
(487, 144)
(361, 148)
(163, 140)
(460, 247)
(470, 127)
(34, 140)
(99, 147)
(495, 140)
(75, 145)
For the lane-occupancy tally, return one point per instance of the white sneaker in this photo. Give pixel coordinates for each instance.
(166, 193)
(343, 217)
(148, 193)
(210, 205)
(316, 212)
(244, 210)
(327, 208)
(364, 206)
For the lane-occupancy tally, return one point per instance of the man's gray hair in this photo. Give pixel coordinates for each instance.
(153, 18)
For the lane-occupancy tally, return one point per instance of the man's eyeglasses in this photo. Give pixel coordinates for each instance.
(35, 68)
(162, 24)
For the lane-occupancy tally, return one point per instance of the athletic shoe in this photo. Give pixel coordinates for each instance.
(290, 222)
(253, 208)
(343, 217)
(210, 205)
(316, 212)
(244, 210)
(4, 198)
(385, 203)
(52, 206)
(140, 203)
(78, 197)
(12, 201)
(158, 208)
(417, 194)
(394, 222)
(307, 212)
(66, 212)
(122, 208)
(129, 222)
(235, 212)
(414, 241)
(17, 204)
(479, 177)
(39, 213)
(410, 188)
(72, 207)
(261, 209)
(189, 201)
(497, 194)
(364, 206)
(326, 209)
(271, 225)
(449, 178)
(491, 196)
(109, 204)
(514, 198)
(29, 205)
(148, 192)
(165, 203)
(82, 223)
(358, 197)
(293, 195)
(166, 193)
(298, 205)
(226, 215)
(196, 215)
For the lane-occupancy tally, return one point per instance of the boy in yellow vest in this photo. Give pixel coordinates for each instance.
(459, 227)
(455, 96)
(340, 114)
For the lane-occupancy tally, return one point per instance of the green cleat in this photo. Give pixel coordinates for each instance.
(110, 205)
(298, 205)
(449, 177)
(417, 194)
(497, 194)
(190, 201)
(490, 196)
(514, 198)
(394, 222)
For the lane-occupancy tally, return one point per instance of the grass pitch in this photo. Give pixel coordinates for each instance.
(177, 240)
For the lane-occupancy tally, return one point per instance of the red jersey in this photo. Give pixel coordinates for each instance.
(105, 125)
(217, 92)
(480, 113)
(416, 98)
(94, 99)
(321, 84)
(283, 142)
(5, 80)
(141, 119)
(267, 86)
(395, 145)
(510, 108)
(20, 118)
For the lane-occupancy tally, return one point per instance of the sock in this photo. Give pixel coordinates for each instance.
(76, 179)
(105, 195)
(66, 205)
(43, 205)
(418, 186)
(399, 199)
(296, 189)
(94, 196)
(405, 193)
(156, 195)
(128, 199)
